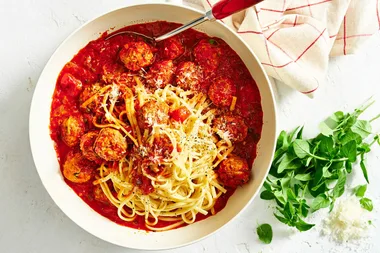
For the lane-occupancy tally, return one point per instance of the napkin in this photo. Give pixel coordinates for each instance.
(295, 38)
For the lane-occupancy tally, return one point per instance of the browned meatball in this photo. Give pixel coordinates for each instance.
(77, 169)
(110, 145)
(207, 54)
(173, 48)
(234, 126)
(234, 171)
(72, 129)
(160, 74)
(221, 92)
(161, 149)
(87, 146)
(72, 85)
(152, 113)
(87, 93)
(115, 73)
(136, 55)
(188, 76)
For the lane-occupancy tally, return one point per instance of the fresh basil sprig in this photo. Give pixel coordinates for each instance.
(309, 174)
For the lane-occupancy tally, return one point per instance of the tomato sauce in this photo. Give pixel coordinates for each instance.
(88, 67)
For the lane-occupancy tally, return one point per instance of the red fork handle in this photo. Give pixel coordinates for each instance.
(225, 8)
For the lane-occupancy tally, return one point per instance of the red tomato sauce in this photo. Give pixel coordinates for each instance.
(87, 67)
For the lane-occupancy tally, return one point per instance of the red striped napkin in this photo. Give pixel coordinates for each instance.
(294, 38)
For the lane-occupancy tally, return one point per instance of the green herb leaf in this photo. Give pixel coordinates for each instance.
(321, 201)
(265, 233)
(348, 166)
(364, 168)
(367, 204)
(303, 226)
(339, 187)
(303, 177)
(301, 148)
(360, 190)
(267, 195)
(281, 219)
(349, 151)
(362, 127)
(287, 163)
(326, 145)
(351, 136)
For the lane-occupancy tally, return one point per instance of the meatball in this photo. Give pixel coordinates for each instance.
(234, 126)
(172, 48)
(87, 93)
(87, 146)
(234, 171)
(207, 54)
(99, 195)
(161, 149)
(160, 74)
(110, 145)
(115, 73)
(222, 91)
(152, 113)
(180, 114)
(136, 55)
(72, 129)
(77, 169)
(188, 76)
(71, 84)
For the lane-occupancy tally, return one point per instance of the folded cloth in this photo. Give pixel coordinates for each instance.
(294, 38)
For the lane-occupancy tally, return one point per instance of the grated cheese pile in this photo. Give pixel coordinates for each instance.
(348, 221)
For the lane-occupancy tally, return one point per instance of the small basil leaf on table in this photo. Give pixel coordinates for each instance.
(367, 204)
(360, 190)
(265, 233)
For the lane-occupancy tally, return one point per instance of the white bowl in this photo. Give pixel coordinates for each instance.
(45, 156)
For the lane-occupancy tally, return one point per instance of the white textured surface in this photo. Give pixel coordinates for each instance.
(30, 221)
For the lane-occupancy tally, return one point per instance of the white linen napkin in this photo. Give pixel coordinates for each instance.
(295, 38)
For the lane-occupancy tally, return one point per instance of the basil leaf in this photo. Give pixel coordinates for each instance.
(303, 226)
(364, 168)
(367, 204)
(327, 145)
(348, 166)
(267, 195)
(299, 134)
(292, 134)
(303, 177)
(287, 163)
(281, 219)
(338, 189)
(360, 190)
(290, 194)
(321, 201)
(282, 140)
(301, 148)
(289, 210)
(349, 151)
(362, 127)
(265, 233)
(351, 136)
